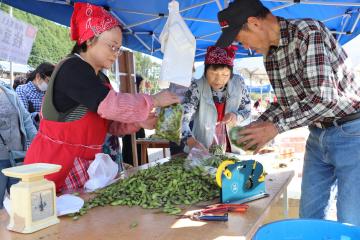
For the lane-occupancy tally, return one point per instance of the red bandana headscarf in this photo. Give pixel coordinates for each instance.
(89, 20)
(217, 55)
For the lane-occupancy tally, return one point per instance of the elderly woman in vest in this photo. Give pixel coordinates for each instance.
(218, 96)
(80, 107)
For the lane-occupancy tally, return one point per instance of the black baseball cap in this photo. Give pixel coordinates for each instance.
(233, 17)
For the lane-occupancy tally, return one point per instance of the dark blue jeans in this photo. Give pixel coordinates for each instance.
(332, 156)
(5, 182)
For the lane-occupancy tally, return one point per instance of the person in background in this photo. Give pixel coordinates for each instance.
(275, 100)
(257, 104)
(32, 93)
(80, 108)
(19, 80)
(218, 96)
(316, 87)
(16, 128)
(127, 152)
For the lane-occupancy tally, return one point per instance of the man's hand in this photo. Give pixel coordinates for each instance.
(150, 122)
(258, 134)
(230, 118)
(192, 142)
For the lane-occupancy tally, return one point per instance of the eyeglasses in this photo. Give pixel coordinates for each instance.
(114, 49)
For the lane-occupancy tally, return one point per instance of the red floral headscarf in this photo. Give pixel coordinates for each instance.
(89, 20)
(218, 55)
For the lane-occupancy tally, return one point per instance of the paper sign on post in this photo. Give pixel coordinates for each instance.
(16, 39)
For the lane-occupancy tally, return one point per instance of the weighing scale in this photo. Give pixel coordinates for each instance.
(33, 199)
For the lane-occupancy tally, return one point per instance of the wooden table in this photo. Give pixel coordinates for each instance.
(146, 143)
(113, 222)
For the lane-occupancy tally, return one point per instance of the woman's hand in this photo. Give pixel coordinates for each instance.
(230, 118)
(192, 142)
(150, 122)
(165, 98)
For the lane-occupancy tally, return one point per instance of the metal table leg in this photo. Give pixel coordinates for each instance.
(286, 203)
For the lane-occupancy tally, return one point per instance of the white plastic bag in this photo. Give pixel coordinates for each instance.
(101, 172)
(178, 45)
(68, 203)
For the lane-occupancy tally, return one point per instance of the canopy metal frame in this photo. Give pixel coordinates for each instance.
(221, 4)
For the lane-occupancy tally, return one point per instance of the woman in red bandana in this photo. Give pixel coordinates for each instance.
(218, 96)
(79, 106)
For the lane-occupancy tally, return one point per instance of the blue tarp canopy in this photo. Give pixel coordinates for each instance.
(143, 20)
(260, 89)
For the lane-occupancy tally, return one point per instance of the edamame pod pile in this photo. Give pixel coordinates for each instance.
(162, 186)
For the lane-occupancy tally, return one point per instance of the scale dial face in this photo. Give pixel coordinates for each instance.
(42, 204)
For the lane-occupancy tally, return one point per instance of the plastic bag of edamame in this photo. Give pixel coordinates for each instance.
(218, 146)
(234, 136)
(169, 121)
(200, 158)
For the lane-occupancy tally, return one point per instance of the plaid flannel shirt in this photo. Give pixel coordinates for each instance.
(29, 93)
(310, 75)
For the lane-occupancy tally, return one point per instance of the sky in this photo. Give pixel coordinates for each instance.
(353, 50)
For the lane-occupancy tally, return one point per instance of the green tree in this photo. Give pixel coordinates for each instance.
(148, 69)
(52, 42)
(145, 66)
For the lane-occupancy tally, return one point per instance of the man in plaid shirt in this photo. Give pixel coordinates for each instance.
(315, 87)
